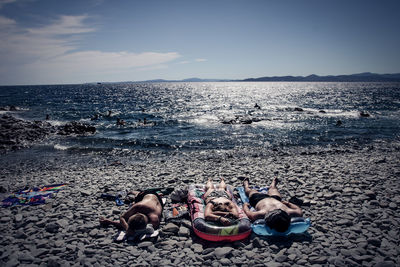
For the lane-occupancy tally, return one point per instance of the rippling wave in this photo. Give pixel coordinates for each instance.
(201, 116)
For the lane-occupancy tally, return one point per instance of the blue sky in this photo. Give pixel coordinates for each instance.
(78, 41)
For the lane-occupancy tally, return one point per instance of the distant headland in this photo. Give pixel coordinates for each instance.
(360, 77)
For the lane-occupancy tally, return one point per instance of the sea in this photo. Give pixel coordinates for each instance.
(174, 117)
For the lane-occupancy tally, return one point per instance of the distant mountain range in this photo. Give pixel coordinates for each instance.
(187, 80)
(360, 77)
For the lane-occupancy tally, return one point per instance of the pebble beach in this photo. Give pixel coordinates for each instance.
(104, 103)
(350, 193)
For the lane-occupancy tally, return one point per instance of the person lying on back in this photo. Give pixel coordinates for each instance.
(270, 207)
(219, 205)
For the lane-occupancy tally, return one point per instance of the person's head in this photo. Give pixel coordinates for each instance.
(224, 206)
(278, 220)
(137, 221)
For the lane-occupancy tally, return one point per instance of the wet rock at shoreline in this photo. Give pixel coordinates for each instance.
(16, 133)
(76, 128)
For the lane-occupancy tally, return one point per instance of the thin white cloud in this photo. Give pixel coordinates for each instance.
(65, 25)
(50, 54)
(6, 22)
(97, 61)
(191, 61)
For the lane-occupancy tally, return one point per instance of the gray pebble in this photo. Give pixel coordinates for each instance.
(257, 242)
(385, 264)
(18, 218)
(374, 241)
(337, 261)
(25, 256)
(197, 248)
(344, 222)
(207, 251)
(145, 244)
(250, 254)
(115, 211)
(52, 227)
(63, 223)
(222, 252)
(225, 261)
(171, 228)
(53, 261)
(281, 258)
(183, 231)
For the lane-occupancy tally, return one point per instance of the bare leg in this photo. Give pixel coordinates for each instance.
(272, 190)
(209, 185)
(222, 185)
(209, 188)
(247, 189)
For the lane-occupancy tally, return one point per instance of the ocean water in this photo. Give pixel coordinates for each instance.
(204, 116)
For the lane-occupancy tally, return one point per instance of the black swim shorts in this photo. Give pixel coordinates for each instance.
(256, 197)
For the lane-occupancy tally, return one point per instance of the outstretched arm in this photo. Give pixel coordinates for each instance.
(106, 222)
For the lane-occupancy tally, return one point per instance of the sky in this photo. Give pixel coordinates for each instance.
(79, 41)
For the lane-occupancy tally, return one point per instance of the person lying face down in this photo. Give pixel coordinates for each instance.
(270, 207)
(219, 205)
(146, 210)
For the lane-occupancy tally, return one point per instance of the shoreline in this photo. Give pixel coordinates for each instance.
(351, 196)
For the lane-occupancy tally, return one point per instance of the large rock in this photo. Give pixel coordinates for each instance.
(76, 128)
(16, 133)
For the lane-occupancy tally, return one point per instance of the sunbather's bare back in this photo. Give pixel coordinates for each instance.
(149, 206)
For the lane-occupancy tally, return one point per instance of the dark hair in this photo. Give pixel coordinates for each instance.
(278, 220)
(137, 221)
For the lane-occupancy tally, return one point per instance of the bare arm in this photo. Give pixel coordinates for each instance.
(293, 209)
(213, 216)
(123, 223)
(252, 215)
(234, 211)
(132, 210)
(209, 214)
(125, 217)
(154, 220)
(220, 213)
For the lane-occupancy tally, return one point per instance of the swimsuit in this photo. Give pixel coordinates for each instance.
(216, 194)
(257, 197)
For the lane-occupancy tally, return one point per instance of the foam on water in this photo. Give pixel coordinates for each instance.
(214, 115)
(61, 147)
